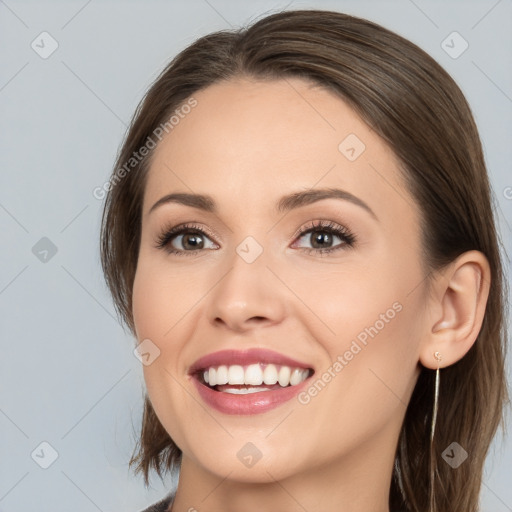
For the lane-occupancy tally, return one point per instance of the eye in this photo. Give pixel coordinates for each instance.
(184, 240)
(323, 236)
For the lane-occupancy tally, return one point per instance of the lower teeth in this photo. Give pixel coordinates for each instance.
(244, 391)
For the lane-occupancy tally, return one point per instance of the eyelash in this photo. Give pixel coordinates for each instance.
(348, 239)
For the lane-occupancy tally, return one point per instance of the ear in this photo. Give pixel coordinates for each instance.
(456, 309)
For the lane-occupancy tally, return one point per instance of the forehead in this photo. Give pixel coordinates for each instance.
(251, 141)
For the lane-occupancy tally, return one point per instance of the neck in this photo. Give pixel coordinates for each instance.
(356, 482)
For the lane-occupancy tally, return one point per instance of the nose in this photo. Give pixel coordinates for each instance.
(248, 296)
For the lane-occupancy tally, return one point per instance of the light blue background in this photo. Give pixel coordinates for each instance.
(67, 372)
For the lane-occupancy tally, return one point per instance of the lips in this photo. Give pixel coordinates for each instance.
(248, 382)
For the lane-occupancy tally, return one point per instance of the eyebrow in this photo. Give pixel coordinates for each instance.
(285, 204)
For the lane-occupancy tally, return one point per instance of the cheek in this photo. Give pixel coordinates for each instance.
(365, 299)
(149, 307)
(159, 300)
(155, 313)
(369, 328)
(157, 308)
(356, 303)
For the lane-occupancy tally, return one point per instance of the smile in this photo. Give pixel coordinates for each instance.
(248, 382)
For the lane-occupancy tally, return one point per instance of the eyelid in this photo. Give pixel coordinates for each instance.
(189, 226)
(329, 225)
(170, 231)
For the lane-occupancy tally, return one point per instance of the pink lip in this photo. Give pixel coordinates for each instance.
(243, 358)
(252, 403)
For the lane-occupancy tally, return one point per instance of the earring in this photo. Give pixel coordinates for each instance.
(438, 358)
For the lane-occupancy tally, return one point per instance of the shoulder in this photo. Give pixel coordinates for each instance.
(160, 506)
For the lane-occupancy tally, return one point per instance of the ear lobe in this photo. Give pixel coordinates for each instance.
(459, 299)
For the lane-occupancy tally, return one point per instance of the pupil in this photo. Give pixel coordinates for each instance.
(323, 237)
(193, 240)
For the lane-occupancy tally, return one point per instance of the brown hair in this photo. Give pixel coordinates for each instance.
(417, 108)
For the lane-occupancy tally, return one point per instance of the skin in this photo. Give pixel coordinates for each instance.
(246, 144)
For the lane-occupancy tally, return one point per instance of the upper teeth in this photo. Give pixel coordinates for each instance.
(255, 375)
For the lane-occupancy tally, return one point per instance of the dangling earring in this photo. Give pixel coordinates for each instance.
(438, 358)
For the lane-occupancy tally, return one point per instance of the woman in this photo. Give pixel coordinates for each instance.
(367, 374)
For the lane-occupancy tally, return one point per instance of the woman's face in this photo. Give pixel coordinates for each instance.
(266, 283)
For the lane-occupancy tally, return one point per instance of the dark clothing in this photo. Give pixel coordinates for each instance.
(160, 506)
(163, 505)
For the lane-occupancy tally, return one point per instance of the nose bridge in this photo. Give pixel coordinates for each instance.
(247, 293)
